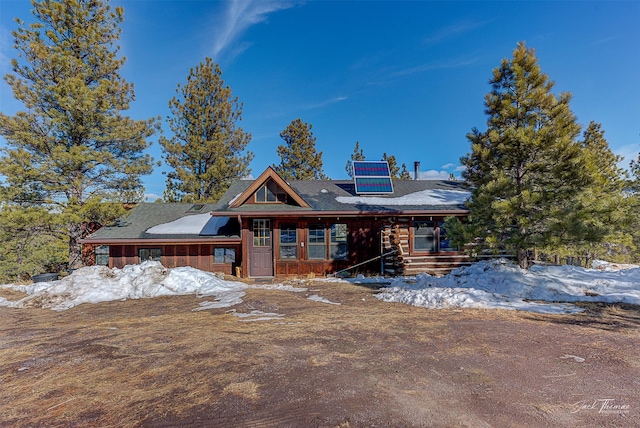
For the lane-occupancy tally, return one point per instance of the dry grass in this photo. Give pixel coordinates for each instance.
(128, 363)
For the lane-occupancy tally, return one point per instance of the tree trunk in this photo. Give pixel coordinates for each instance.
(75, 248)
(523, 259)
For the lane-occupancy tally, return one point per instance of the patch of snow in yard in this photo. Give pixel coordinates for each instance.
(319, 299)
(502, 284)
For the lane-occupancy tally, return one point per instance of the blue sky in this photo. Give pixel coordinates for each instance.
(403, 77)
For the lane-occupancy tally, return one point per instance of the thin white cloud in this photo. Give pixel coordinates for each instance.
(325, 103)
(453, 63)
(460, 168)
(606, 40)
(461, 27)
(447, 166)
(238, 16)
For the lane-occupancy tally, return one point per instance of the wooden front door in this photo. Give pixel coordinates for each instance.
(261, 253)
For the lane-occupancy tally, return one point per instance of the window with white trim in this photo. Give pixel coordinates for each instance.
(316, 245)
(288, 242)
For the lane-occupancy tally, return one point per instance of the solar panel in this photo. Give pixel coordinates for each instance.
(372, 177)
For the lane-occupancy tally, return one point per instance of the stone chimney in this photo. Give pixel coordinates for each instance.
(416, 170)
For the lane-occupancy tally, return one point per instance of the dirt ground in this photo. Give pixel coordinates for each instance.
(362, 363)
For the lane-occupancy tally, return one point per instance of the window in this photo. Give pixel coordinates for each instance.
(288, 242)
(149, 254)
(424, 236)
(338, 245)
(316, 248)
(102, 255)
(261, 233)
(224, 255)
(444, 242)
(270, 192)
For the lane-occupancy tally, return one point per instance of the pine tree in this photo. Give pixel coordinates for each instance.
(72, 149)
(404, 173)
(394, 169)
(357, 155)
(205, 151)
(299, 159)
(599, 219)
(527, 169)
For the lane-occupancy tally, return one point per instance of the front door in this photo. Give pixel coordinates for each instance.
(261, 254)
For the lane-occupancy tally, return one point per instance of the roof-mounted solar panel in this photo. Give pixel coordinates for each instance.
(372, 178)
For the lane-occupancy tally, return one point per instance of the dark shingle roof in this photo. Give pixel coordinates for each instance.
(146, 215)
(320, 195)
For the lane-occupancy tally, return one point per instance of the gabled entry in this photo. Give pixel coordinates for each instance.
(261, 248)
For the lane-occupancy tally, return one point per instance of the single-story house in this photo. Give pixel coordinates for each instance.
(269, 227)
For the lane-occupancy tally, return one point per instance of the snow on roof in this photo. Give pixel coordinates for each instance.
(423, 197)
(198, 224)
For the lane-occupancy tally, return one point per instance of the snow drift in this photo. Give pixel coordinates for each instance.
(502, 284)
(97, 284)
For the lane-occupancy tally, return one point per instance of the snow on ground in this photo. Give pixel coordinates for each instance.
(97, 284)
(489, 284)
(502, 284)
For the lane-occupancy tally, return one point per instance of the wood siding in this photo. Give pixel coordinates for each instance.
(199, 256)
(405, 260)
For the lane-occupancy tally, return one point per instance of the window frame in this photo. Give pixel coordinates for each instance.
(270, 193)
(155, 254)
(338, 241)
(100, 251)
(228, 255)
(288, 245)
(416, 237)
(316, 243)
(263, 238)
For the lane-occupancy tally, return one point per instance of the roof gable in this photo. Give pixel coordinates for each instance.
(268, 174)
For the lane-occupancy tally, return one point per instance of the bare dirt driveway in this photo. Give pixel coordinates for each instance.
(359, 363)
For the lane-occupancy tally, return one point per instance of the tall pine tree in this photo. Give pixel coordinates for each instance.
(206, 150)
(527, 169)
(298, 158)
(71, 149)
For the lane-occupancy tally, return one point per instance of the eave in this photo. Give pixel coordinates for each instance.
(203, 240)
(352, 213)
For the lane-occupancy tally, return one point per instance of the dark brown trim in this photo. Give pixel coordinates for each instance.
(166, 241)
(325, 214)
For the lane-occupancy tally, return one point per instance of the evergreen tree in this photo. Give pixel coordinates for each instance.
(71, 149)
(404, 173)
(599, 220)
(299, 159)
(394, 169)
(205, 151)
(527, 169)
(396, 172)
(357, 155)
